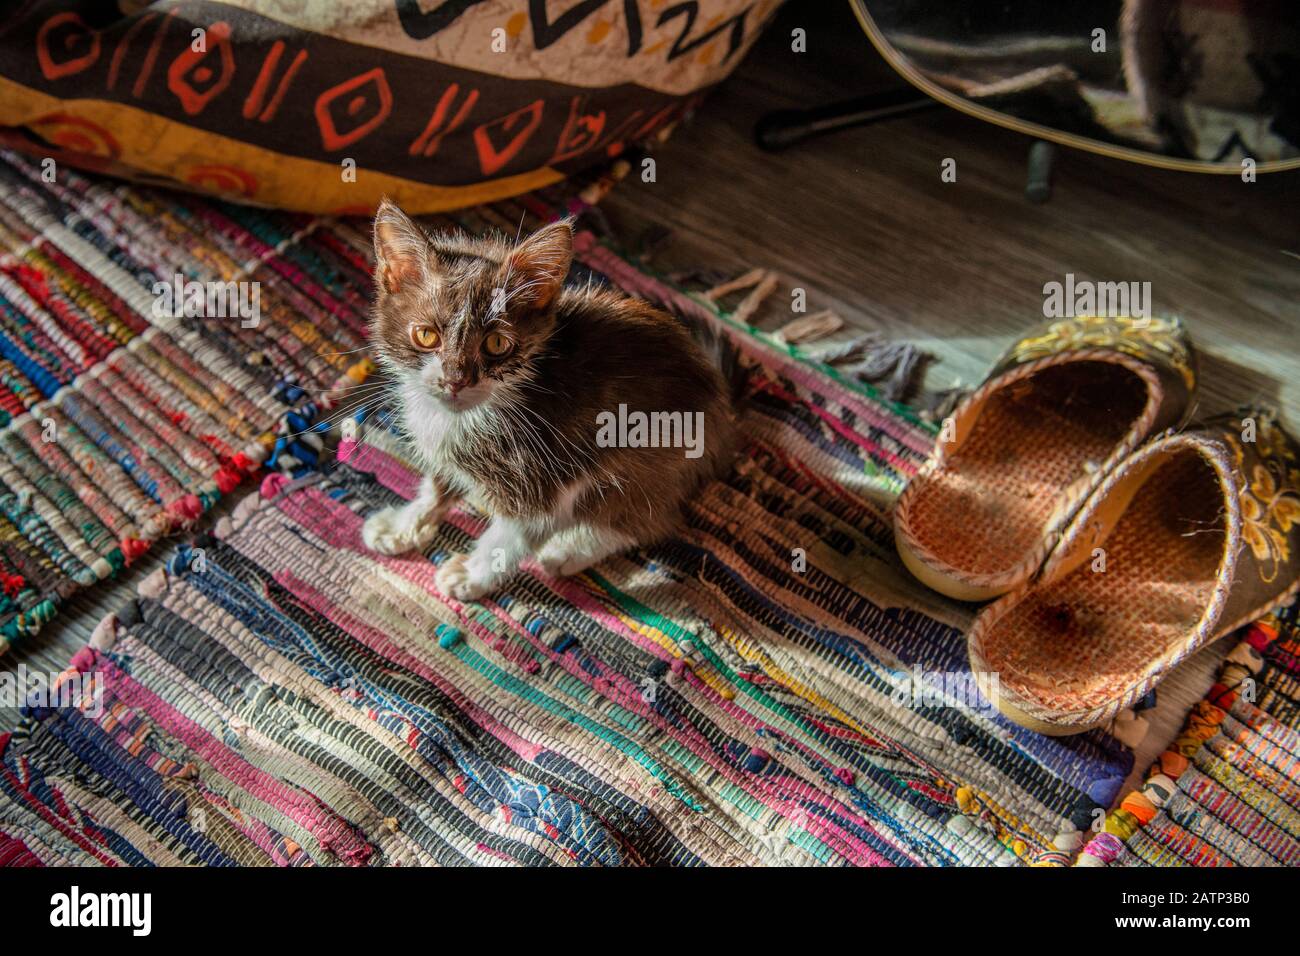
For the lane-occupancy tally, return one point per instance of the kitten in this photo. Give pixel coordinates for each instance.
(522, 396)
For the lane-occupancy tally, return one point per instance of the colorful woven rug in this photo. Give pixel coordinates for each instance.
(770, 689)
(1227, 791)
(121, 422)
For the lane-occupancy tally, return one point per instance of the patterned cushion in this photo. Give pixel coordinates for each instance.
(327, 107)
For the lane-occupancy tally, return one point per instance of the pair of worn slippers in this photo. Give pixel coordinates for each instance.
(1113, 539)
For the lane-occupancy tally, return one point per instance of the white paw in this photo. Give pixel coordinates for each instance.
(392, 531)
(457, 578)
(559, 562)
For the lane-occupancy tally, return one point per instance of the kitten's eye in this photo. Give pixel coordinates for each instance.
(497, 344)
(425, 336)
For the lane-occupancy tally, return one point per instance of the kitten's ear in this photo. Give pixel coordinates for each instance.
(401, 248)
(538, 266)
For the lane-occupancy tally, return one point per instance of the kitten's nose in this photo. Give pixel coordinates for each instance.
(454, 385)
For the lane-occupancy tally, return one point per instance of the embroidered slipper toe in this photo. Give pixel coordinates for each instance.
(1019, 455)
(1191, 537)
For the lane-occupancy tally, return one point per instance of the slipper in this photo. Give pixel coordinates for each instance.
(1194, 535)
(1018, 456)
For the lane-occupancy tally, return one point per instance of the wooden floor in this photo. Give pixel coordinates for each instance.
(863, 222)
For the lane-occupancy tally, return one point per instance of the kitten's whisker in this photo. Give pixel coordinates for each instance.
(584, 452)
(530, 435)
(364, 348)
(566, 471)
(337, 414)
(345, 392)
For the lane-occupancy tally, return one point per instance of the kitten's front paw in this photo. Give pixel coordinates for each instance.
(560, 562)
(392, 531)
(456, 578)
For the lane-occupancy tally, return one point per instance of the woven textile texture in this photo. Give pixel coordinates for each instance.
(122, 420)
(770, 688)
(1227, 791)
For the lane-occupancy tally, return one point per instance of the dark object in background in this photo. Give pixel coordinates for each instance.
(1039, 186)
(1179, 83)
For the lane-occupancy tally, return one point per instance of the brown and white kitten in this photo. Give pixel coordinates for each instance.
(503, 378)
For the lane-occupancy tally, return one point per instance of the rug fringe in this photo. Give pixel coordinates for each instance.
(810, 328)
(891, 367)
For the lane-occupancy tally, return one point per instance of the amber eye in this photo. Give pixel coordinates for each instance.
(425, 336)
(497, 344)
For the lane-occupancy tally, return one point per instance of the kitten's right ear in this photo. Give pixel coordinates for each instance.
(401, 248)
(537, 267)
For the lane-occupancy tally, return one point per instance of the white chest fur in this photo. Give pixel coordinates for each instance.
(435, 431)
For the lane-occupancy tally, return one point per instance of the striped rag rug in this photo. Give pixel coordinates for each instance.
(770, 688)
(1227, 791)
(122, 417)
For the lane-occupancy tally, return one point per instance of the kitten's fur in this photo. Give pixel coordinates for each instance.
(516, 436)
